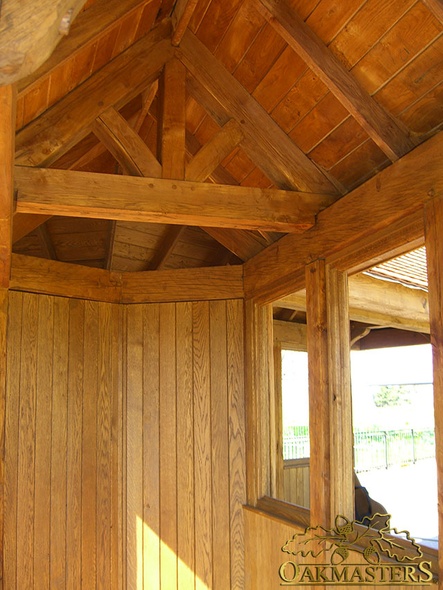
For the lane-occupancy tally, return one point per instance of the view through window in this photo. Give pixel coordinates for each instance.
(393, 421)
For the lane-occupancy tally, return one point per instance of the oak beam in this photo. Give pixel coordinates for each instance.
(265, 142)
(436, 7)
(7, 137)
(172, 120)
(39, 275)
(372, 210)
(183, 11)
(52, 134)
(330, 427)
(125, 145)
(434, 252)
(212, 154)
(50, 277)
(187, 284)
(391, 137)
(29, 32)
(47, 191)
(378, 303)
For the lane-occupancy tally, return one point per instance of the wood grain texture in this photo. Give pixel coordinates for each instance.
(62, 442)
(88, 28)
(434, 253)
(7, 142)
(3, 373)
(172, 123)
(46, 138)
(29, 34)
(126, 145)
(126, 198)
(391, 137)
(401, 192)
(288, 167)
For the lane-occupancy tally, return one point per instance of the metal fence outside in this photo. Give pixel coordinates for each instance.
(374, 449)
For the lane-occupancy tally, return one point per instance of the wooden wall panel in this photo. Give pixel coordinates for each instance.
(61, 445)
(184, 396)
(125, 445)
(264, 537)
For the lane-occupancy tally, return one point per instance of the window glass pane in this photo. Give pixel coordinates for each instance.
(394, 446)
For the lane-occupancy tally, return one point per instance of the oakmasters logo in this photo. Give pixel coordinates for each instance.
(353, 553)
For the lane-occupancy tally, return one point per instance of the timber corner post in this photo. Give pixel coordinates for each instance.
(433, 223)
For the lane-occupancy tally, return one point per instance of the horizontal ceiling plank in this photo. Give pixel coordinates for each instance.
(265, 142)
(127, 198)
(436, 7)
(381, 203)
(392, 138)
(126, 145)
(49, 136)
(29, 32)
(39, 275)
(378, 303)
(89, 26)
(188, 284)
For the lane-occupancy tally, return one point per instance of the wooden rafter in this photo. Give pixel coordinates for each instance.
(7, 135)
(241, 243)
(212, 154)
(264, 141)
(127, 147)
(183, 11)
(46, 243)
(436, 7)
(383, 129)
(166, 247)
(46, 138)
(126, 198)
(374, 207)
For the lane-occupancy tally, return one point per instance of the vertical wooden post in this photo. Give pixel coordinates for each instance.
(7, 142)
(330, 425)
(277, 421)
(434, 254)
(259, 392)
(340, 410)
(172, 120)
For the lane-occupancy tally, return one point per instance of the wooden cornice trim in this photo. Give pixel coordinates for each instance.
(365, 217)
(265, 142)
(54, 132)
(48, 191)
(49, 277)
(391, 137)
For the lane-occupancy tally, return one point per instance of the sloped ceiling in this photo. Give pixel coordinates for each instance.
(225, 124)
